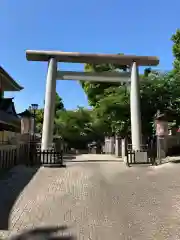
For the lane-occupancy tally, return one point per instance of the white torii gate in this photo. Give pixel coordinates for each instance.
(53, 74)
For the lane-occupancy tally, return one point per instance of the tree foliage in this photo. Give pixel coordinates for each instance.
(58, 103)
(95, 91)
(176, 52)
(114, 109)
(158, 91)
(40, 112)
(110, 113)
(77, 127)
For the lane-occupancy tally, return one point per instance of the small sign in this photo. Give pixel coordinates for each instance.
(161, 128)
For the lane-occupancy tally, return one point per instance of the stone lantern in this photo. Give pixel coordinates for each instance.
(161, 123)
(26, 122)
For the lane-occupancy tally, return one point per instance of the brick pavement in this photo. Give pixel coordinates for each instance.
(97, 200)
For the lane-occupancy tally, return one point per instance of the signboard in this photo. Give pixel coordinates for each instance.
(161, 128)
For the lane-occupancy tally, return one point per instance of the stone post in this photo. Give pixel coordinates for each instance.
(112, 142)
(118, 146)
(123, 149)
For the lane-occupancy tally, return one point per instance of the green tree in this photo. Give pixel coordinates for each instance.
(110, 100)
(39, 119)
(95, 91)
(111, 103)
(158, 91)
(113, 108)
(75, 127)
(58, 103)
(40, 112)
(176, 52)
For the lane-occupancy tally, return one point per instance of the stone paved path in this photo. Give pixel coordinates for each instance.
(97, 200)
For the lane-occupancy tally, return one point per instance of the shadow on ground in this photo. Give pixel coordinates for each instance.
(54, 165)
(69, 157)
(89, 161)
(11, 185)
(175, 161)
(78, 158)
(44, 233)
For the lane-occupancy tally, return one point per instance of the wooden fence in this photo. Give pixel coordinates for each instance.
(12, 156)
(29, 154)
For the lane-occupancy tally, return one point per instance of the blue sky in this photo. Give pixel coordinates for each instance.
(131, 27)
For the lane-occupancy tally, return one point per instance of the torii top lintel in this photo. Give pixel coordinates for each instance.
(96, 58)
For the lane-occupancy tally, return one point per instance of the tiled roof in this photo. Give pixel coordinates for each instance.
(9, 82)
(7, 105)
(26, 113)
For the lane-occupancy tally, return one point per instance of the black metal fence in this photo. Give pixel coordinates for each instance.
(47, 157)
(44, 157)
(29, 154)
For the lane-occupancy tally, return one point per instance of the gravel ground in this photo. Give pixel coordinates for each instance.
(96, 200)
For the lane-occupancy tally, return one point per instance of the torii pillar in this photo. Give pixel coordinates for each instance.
(135, 109)
(49, 108)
